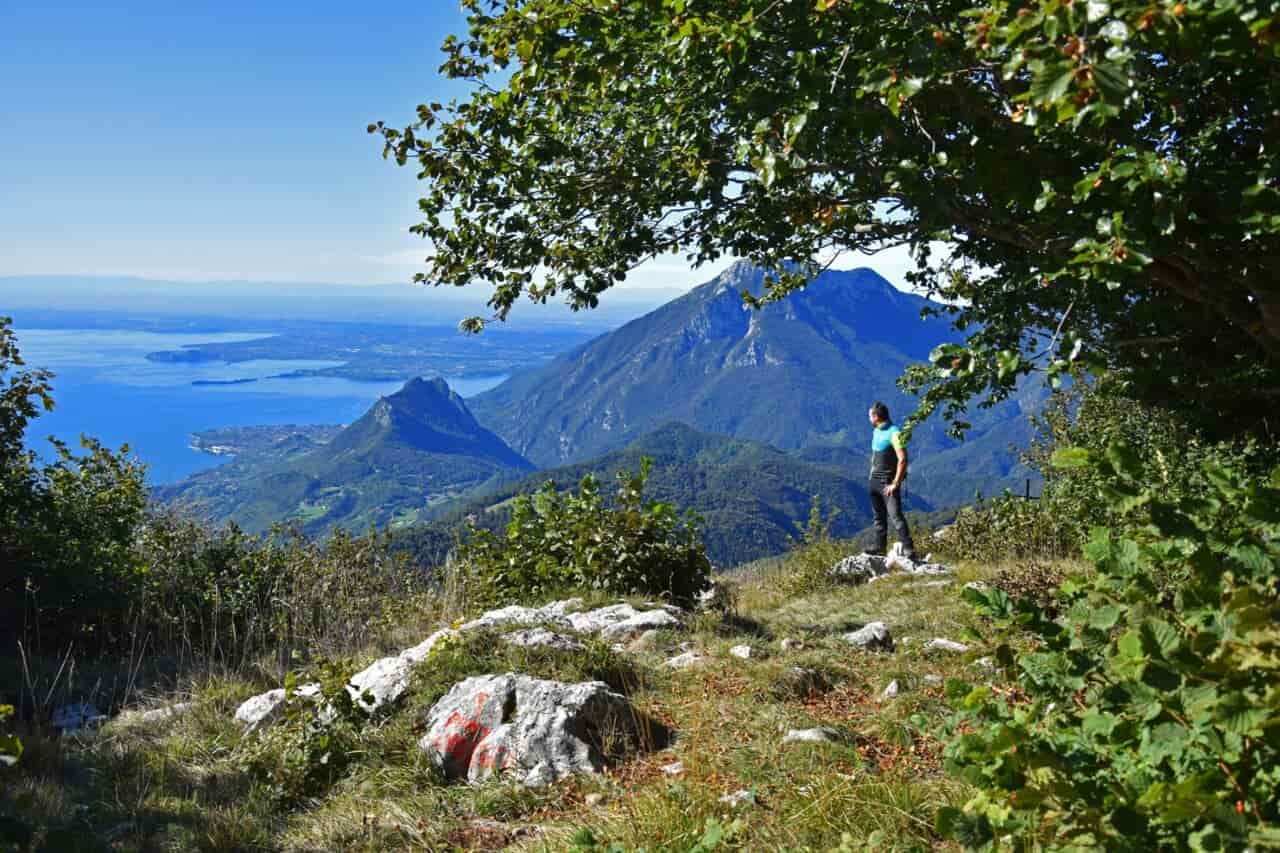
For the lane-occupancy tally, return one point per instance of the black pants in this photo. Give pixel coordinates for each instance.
(887, 508)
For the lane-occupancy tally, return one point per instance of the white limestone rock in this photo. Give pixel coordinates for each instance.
(542, 638)
(684, 661)
(874, 636)
(890, 692)
(858, 568)
(527, 729)
(818, 735)
(744, 651)
(942, 644)
(264, 708)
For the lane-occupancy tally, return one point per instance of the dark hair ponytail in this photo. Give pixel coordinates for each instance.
(881, 411)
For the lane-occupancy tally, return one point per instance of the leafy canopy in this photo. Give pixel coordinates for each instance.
(1099, 171)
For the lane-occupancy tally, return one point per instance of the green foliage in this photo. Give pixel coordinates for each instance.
(1148, 715)
(226, 596)
(1074, 499)
(557, 542)
(1139, 232)
(65, 526)
(314, 744)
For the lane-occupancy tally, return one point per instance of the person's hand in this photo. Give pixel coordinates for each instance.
(889, 490)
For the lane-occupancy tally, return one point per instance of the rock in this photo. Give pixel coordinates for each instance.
(933, 680)
(741, 797)
(533, 731)
(155, 715)
(266, 707)
(986, 665)
(818, 735)
(742, 651)
(380, 684)
(643, 643)
(517, 614)
(977, 586)
(622, 621)
(541, 637)
(675, 768)
(944, 645)
(594, 799)
(874, 636)
(890, 692)
(77, 716)
(718, 597)
(791, 645)
(684, 661)
(858, 568)
(418, 653)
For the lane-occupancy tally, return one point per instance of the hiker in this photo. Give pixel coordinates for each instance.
(888, 473)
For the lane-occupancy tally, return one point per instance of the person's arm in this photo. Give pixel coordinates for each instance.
(901, 473)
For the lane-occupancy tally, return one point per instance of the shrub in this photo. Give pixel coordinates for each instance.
(1093, 416)
(1148, 716)
(556, 542)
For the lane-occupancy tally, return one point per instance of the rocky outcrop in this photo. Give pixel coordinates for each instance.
(874, 636)
(863, 568)
(530, 730)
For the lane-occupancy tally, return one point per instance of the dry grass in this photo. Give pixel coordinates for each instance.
(178, 784)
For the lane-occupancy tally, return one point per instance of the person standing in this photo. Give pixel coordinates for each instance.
(888, 472)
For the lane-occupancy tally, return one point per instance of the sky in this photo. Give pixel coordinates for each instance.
(226, 141)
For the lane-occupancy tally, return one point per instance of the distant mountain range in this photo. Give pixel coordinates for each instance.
(799, 375)
(414, 448)
(748, 414)
(754, 500)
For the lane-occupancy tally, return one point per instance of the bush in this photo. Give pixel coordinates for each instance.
(1148, 716)
(1093, 416)
(557, 542)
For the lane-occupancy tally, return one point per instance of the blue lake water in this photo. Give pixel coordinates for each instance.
(106, 388)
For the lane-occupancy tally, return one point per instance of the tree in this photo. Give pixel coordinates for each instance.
(1099, 171)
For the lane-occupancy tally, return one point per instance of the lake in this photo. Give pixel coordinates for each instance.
(106, 388)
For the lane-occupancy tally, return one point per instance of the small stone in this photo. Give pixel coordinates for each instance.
(593, 799)
(986, 664)
(873, 636)
(977, 586)
(791, 645)
(743, 651)
(684, 661)
(933, 680)
(741, 797)
(675, 768)
(890, 692)
(818, 735)
(944, 645)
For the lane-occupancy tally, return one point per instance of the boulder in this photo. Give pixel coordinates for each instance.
(517, 614)
(530, 730)
(898, 561)
(944, 645)
(858, 568)
(542, 638)
(620, 622)
(381, 683)
(418, 653)
(266, 707)
(874, 636)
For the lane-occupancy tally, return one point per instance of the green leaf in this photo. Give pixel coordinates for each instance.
(1072, 457)
(1052, 83)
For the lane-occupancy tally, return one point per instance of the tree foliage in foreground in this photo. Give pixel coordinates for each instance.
(1101, 170)
(1147, 717)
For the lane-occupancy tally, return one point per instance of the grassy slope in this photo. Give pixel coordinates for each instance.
(180, 784)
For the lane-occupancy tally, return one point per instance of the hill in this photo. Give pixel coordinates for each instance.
(417, 447)
(799, 373)
(754, 499)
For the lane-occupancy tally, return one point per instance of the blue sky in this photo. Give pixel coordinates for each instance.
(221, 141)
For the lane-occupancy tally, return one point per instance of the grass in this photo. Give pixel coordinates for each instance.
(183, 783)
